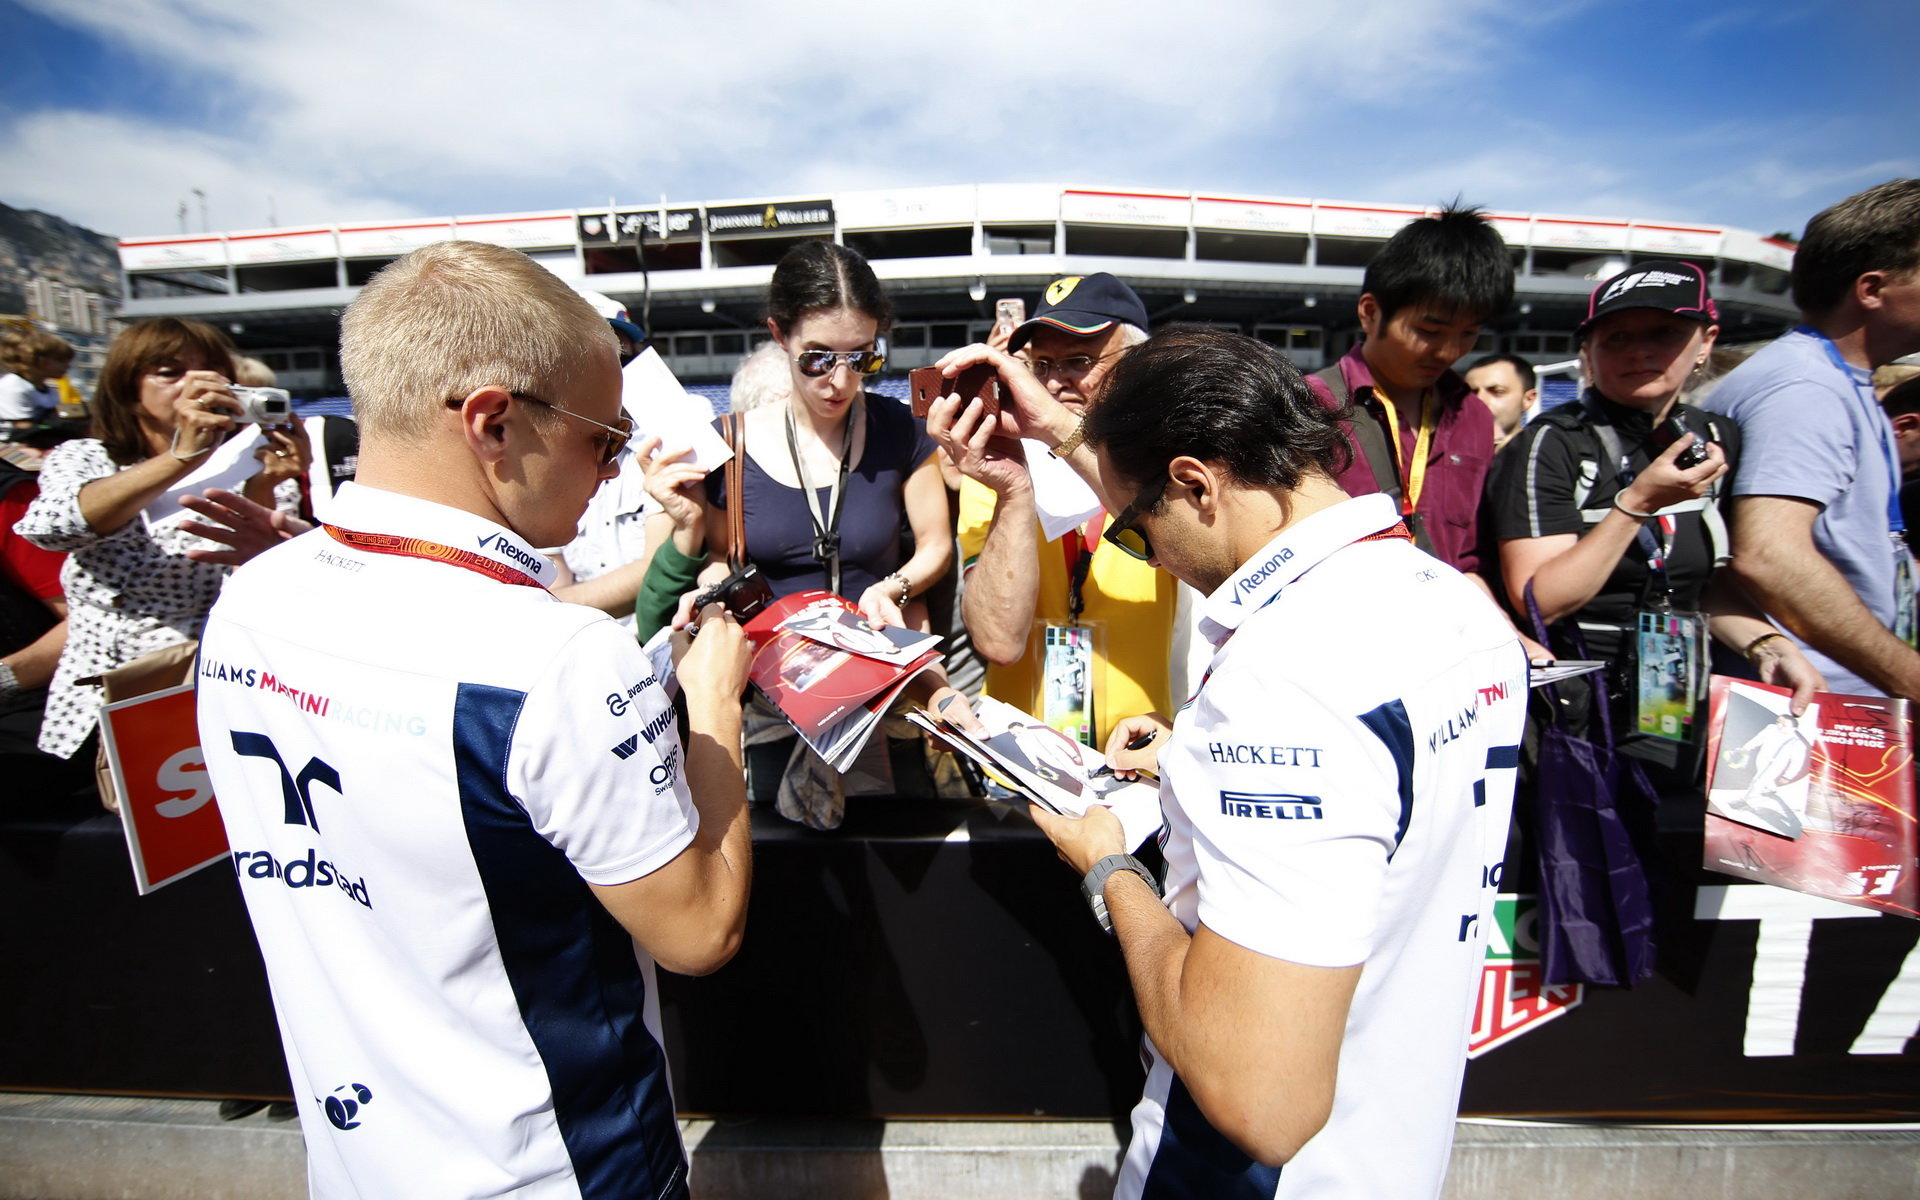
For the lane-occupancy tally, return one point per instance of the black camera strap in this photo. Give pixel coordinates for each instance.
(826, 526)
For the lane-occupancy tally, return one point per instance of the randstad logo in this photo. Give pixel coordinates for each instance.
(296, 792)
(1060, 289)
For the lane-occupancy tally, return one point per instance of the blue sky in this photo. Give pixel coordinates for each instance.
(1754, 115)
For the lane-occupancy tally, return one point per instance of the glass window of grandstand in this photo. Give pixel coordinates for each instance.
(951, 242)
(1306, 345)
(153, 285)
(359, 270)
(1019, 239)
(286, 277)
(753, 252)
(1117, 241)
(1582, 264)
(944, 337)
(621, 260)
(733, 345)
(1345, 252)
(1559, 345)
(907, 337)
(1220, 246)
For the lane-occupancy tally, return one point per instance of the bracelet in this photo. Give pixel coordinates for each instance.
(906, 587)
(9, 682)
(1072, 441)
(1638, 516)
(1758, 642)
(174, 449)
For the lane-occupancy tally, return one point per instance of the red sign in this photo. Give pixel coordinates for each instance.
(166, 800)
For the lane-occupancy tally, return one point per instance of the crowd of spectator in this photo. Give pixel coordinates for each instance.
(1765, 502)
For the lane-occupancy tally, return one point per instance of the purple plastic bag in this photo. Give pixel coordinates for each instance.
(1596, 907)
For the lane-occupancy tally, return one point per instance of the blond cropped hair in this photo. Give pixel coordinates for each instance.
(456, 316)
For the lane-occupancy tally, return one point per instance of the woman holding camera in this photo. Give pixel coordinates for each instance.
(1611, 506)
(163, 405)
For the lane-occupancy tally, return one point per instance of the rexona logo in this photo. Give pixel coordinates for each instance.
(500, 544)
(344, 1104)
(1514, 999)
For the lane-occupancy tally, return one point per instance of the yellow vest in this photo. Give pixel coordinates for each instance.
(1128, 604)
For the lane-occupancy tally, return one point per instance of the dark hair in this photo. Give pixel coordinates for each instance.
(1877, 230)
(1455, 260)
(1521, 367)
(1902, 397)
(818, 275)
(139, 349)
(1218, 397)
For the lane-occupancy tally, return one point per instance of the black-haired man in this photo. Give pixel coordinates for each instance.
(1331, 802)
(1509, 387)
(1423, 301)
(1817, 530)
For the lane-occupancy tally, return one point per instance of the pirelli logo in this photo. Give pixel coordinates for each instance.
(1270, 806)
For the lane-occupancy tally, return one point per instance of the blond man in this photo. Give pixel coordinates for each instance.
(463, 820)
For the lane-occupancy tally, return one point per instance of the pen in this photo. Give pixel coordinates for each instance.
(1139, 743)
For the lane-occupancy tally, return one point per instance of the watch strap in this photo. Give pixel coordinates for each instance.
(1094, 886)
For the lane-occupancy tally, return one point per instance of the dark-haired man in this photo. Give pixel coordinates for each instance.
(1817, 531)
(1423, 301)
(1332, 803)
(1508, 386)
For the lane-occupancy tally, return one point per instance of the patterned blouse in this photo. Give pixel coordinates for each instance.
(129, 592)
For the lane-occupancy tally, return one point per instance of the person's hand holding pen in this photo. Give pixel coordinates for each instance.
(1133, 748)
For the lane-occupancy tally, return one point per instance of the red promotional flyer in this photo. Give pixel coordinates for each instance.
(830, 672)
(1822, 803)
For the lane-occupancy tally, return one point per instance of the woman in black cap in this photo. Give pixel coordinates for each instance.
(1610, 507)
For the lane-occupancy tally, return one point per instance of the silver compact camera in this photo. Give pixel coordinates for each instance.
(263, 405)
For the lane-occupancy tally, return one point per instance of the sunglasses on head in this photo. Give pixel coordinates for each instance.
(1125, 532)
(820, 362)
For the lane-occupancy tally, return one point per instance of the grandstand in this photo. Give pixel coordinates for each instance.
(1286, 270)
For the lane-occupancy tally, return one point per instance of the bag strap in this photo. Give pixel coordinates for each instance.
(1597, 680)
(737, 492)
(1368, 438)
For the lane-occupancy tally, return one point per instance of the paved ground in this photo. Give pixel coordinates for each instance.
(117, 1148)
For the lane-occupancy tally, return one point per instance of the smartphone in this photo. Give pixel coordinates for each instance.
(1672, 430)
(978, 382)
(1008, 315)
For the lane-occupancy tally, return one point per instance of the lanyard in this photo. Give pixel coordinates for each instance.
(1078, 546)
(1877, 419)
(1655, 546)
(406, 547)
(1413, 475)
(826, 526)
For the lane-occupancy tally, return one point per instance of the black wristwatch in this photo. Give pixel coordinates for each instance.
(1093, 887)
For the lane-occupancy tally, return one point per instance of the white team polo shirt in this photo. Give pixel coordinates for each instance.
(421, 768)
(1336, 794)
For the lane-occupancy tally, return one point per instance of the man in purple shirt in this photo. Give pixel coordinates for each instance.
(1423, 301)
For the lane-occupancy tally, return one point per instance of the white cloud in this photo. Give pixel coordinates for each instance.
(128, 178)
(355, 105)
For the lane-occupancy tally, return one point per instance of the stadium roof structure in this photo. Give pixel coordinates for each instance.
(1285, 268)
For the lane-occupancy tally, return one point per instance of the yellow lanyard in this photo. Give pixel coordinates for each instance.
(1414, 475)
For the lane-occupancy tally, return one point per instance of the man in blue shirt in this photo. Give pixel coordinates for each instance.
(1816, 519)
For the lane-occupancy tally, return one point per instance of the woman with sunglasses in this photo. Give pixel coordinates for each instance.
(1607, 547)
(163, 406)
(830, 472)
(831, 468)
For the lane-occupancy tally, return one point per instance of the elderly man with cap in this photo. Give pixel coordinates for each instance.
(1076, 635)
